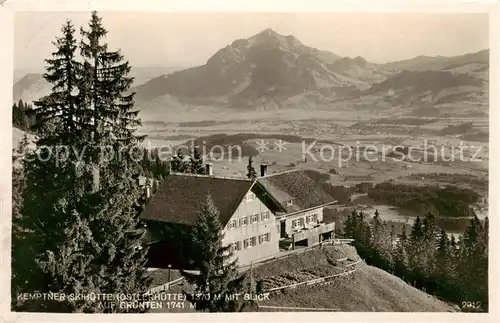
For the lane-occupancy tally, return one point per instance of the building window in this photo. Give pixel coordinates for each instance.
(254, 218)
(232, 224)
(265, 215)
(253, 241)
(248, 243)
(298, 222)
(236, 246)
(250, 196)
(312, 218)
(243, 221)
(263, 238)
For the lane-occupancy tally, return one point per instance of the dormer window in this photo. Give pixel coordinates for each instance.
(289, 202)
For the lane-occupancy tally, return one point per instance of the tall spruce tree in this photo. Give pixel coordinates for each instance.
(178, 163)
(472, 268)
(401, 255)
(80, 226)
(106, 84)
(350, 225)
(415, 248)
(430, 234)
(196, 165)
(18, 185)
(116, 225)
(57, 116)
(22, 116)
(49, 194)
(442, 263)
(381, 244)
(218, 269)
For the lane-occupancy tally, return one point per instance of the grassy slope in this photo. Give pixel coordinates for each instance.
(368, 289)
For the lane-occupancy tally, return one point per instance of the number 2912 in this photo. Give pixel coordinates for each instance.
(471, 305)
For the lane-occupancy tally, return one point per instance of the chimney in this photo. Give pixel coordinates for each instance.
(263, 169)
(209, 169)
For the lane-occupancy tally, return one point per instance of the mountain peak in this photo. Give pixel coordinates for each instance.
(268, 32)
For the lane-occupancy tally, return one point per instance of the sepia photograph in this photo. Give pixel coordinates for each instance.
(194, 162)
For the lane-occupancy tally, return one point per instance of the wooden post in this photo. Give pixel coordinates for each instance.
(169, 266)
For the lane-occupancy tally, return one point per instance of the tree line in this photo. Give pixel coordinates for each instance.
(455, 270)
(23, 116)
(447, 202)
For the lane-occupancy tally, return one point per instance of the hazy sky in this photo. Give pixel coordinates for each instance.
(189, 39)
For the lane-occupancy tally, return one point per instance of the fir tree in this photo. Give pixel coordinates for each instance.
(377, 228)
(417, 230)
(251, 173)
(430, 232)
(81, 231)
(218, 273)
(50, 184)
(18, 245)
(22, 116)
(48, 199)
(392, 233)
(454, 256)
(381, 244)
(349, 225)
(59, 114)
(401, 256)
(178, 163)
(116, 226)
(106, 84)
(415, 252)
(442, 264)
(196, 165)
(18, 177)
(472, 268)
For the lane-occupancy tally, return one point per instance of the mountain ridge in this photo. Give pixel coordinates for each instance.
(272, 71)
(265, 64)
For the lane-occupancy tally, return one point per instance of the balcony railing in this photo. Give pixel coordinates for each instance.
(313, 231)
